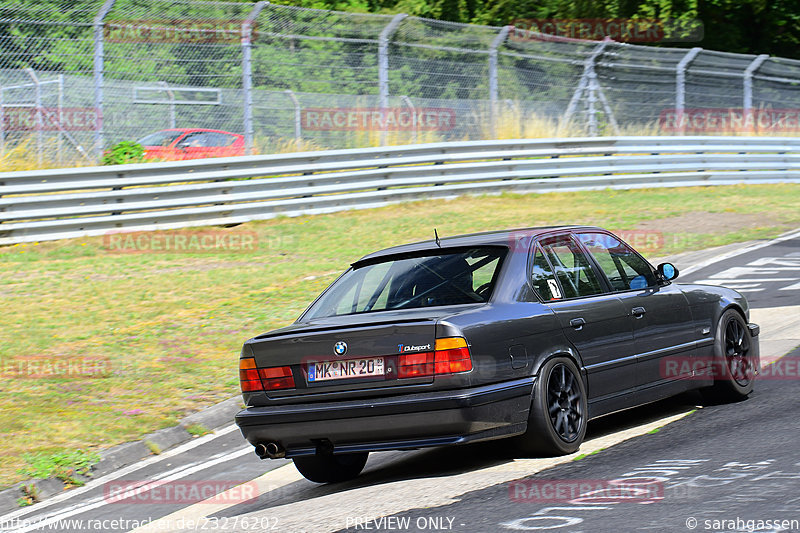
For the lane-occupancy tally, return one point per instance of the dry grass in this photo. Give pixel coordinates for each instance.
(24, 156)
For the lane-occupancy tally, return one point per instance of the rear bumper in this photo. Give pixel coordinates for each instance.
(397, 422)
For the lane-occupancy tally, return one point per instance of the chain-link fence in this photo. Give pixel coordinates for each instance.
(79, 76)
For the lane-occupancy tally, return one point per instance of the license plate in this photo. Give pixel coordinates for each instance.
(350, 368)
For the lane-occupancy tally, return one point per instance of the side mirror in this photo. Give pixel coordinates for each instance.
(667, 271)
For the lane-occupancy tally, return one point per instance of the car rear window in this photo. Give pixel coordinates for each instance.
(445, 278)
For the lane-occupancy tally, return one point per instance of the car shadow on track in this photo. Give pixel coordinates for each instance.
(387, 467)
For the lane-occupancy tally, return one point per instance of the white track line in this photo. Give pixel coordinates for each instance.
(82, 508)
(750, 248)
(158, 477)
(264, 484)
(66, 495)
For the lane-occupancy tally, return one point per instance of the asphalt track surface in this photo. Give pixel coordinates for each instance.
(669, 466)
(723, 468)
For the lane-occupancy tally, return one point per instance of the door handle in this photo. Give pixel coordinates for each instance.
(638, 312)
(577, 323)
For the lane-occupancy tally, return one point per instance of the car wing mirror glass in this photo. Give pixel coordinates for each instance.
(667, 271)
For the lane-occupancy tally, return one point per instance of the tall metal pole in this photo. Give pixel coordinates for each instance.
(2, 124)
(37, 106)
(98, 74)
(383, 65)
(606, 107)
(409, 104)
(171, 96)
(680, 84)
(298, 125)
(588, 78)
(751, 69)
(493, 87)
(247, 75)
(60, 113)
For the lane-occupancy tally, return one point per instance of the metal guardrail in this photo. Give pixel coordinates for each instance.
(64, 203)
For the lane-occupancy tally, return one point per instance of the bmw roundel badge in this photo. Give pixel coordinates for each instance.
(340, 348)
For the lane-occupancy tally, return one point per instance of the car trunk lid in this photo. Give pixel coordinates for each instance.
(331, 356)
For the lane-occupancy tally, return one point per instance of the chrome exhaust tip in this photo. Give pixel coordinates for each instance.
(270, 450)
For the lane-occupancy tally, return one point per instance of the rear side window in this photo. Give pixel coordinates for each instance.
(542, 277)
(571, 267)
(462, 277)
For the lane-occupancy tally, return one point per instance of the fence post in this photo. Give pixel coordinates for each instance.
(383, 65)
(493, 90)
(587, 83)
(37, 106)
(247, 75)
(680, 84)
(407, 101)
(60, 113)
(171, 96)
(2, 124)
(298, 125)
(751, 69)
(98, 74)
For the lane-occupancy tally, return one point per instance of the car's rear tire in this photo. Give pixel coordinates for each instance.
(558, 415)
(326, 468)
(734, 367)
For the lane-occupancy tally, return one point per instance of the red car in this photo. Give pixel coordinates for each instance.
(191, 143)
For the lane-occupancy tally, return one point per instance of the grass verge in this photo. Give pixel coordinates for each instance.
(165, 329)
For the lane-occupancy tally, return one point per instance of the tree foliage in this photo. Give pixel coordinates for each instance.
(742, 26)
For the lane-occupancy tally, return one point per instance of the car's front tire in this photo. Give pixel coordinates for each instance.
(733, 366)
(558, 415)
(326, 468)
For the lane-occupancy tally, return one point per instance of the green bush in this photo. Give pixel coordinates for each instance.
(124, 152)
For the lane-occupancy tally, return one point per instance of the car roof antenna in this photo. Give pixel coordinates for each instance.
(436, 234)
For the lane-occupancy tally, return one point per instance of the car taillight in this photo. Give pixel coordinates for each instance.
(248, 375)
(413, 365)
(450, 356)
(258, 379)
(279, 377)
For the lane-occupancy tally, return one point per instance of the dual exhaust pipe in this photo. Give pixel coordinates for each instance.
(270, 450)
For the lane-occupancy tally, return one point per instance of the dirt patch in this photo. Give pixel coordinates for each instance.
(705, 222)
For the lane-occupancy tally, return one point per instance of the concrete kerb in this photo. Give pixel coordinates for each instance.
(112, 459)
